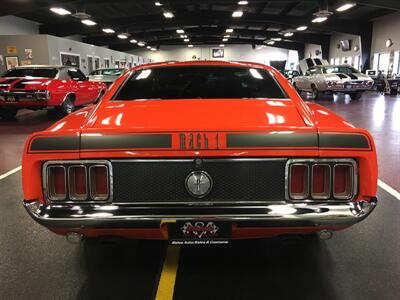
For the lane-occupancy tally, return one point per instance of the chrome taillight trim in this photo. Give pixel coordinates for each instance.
(91, 186)
(46, 179)
(331, 162)
(351, 184)
(307, 183)
(73, 196)
(319, 196)
(66, 164)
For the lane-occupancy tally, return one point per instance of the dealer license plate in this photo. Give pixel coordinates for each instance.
(199, 233)
(11, 99)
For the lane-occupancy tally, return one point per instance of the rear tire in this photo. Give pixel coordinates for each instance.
(315, 94)
(355, 95)
(8, 113)
(66, 108)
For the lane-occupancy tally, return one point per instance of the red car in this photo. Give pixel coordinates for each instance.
(38, 87)
(200, 152)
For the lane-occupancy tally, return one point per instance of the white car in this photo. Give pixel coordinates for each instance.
(332, 79)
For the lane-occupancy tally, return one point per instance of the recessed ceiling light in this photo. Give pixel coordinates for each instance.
(180, 31)
(108, 30)
(270, 42)
(88, 22)
(276, 39)
(133, 41)
(319, 19)
(141, 44)
(345, 6)
(186, 40)
(229, 30)
(60, 11)
(122, 36)
(288, 34)
(158, 3)
(301, 28)
(222, 45)
(237, 14)
(224, 40)
(148, 47)
(182, 36)
(153, 49)
(227, 36)
(168, 14)
(243, 2)
(190, 46)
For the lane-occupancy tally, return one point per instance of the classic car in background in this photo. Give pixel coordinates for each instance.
(200, 152)
(290, 74)
(322, 79)
(107, 76)
(38, 87)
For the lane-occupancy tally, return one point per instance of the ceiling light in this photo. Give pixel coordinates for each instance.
(227, 36)
(182, 36)
(301, 28)
(148, 47)
(180, 31)
(122, 36)
(237, 14)
(288, 34)
(153, 49)
(190, 46)
(243, 2)
(276, 39)
(88, 22)
(158, 3)
(345, 7)
(168, 14)
(319, 19)
(108, 30)
(222, 45)
(186, 40)
(224, 40)
(141, 44)
(270, 42)
(60, 11)
(229, 30)
(133, 41)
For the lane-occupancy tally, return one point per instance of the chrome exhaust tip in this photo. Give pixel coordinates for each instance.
(325, 234)
(74, 237)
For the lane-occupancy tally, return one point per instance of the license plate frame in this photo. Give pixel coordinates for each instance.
(199, 232)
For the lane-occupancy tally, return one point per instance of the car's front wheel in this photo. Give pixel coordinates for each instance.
(8, 113)
(355, 95)
(67, 107)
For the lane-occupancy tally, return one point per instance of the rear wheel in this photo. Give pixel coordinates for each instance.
(66, 108)
(315, 94)
(8, 113)
(355, 95)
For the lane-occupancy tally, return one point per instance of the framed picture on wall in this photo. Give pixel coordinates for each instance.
(70, 59)
(12, 62)
(218, 53)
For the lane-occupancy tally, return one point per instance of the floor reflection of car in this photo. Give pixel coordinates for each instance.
(107, 76)
(330, 79)
(42, 86)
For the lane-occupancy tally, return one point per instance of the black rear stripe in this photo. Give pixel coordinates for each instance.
(126, 141)
(260, 140)
(64, 143)
(337, 140)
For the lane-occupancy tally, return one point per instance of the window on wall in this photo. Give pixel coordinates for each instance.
(337, 61)
(383, 62)
(349, 60)
(356, 62)
(376, 61)
(332, 61)
(396, 65)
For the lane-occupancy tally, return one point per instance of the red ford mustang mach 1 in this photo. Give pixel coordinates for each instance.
(38, 87)
(200, 152)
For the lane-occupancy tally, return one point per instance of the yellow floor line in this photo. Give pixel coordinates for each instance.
(165, 290)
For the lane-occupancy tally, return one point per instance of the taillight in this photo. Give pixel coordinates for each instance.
(56, 183)
(343, 181)
(77, 182)
(99, 182)
(321, 181)
(299, 181)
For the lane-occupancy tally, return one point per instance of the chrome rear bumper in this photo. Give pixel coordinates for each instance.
(131, 216)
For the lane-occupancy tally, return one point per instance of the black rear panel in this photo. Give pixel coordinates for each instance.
(164, 181)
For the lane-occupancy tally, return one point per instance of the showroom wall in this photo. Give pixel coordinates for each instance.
(15, 25)
(46, 49)
(384, 28)
(336, 52)
(261, 54)
(310, 50)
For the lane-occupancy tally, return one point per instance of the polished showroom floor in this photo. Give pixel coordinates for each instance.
(359, 263)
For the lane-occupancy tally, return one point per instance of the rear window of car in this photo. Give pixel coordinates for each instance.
(34, 72)
(198, 82)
